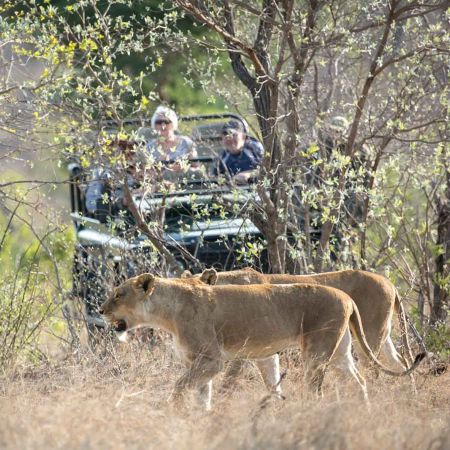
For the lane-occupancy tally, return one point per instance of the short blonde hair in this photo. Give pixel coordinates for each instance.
(167, 113)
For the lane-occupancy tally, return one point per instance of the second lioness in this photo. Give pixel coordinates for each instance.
(374, 295)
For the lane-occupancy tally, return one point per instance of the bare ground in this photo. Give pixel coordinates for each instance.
(118, 401)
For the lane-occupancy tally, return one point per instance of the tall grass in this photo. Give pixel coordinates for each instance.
(118, 401)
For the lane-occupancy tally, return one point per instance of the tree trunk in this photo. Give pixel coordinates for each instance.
(441, 279)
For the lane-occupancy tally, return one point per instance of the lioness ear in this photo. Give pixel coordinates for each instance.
(209, 276)
(186, 274)
(145, 281)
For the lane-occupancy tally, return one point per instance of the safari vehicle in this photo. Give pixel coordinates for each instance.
(198, 230)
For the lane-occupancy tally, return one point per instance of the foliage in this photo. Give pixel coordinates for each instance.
(160, 68)
(24, 308)
(436, 337)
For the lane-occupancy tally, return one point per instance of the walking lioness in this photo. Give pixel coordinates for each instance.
(212, 324)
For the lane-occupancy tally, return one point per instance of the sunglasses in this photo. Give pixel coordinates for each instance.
(230, 133)
(162, 122)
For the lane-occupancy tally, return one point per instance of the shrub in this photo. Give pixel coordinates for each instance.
(24, 307)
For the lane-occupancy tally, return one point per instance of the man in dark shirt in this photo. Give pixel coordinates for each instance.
(241, 156)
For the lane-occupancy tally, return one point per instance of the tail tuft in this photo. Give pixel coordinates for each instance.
(420, 356)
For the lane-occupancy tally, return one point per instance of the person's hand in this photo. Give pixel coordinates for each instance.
(242, 177)
(175, 167)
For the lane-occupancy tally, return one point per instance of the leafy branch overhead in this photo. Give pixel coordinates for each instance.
(304, 63)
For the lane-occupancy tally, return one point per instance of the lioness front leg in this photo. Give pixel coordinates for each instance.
(198, 376)
(233, 370)
(269, 368)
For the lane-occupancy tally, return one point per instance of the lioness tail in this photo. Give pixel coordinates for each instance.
(358, 332)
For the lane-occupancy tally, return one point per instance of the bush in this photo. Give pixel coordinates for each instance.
(24, 307)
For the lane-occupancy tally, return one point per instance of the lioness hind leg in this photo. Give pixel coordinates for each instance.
(381, 344)
(391, 356)
(316, 356)
(205, 395)
(343, 361)
(315, 369)
(375, 344)
(318, 348)
(395, 360)
(270, 371)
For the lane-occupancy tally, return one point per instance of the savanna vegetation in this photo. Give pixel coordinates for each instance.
(350, 101)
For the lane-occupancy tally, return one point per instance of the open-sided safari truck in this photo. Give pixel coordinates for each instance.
(200, 219)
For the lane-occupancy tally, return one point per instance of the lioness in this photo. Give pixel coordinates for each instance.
(212, 324)
(374, 295)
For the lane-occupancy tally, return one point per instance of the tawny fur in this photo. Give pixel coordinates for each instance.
(213, 324)
(374, 295)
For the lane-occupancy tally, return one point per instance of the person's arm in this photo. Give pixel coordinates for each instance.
(244, 177)
(258, 152)
(247, 176)
(221, 166)
(193, 154)
(185, 151)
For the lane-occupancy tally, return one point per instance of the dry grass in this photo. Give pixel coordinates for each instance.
(119, 402)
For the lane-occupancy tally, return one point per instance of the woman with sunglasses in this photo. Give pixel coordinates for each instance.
(168, 146)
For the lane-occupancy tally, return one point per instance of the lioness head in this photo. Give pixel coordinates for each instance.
(208, 276)
(126, 302)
